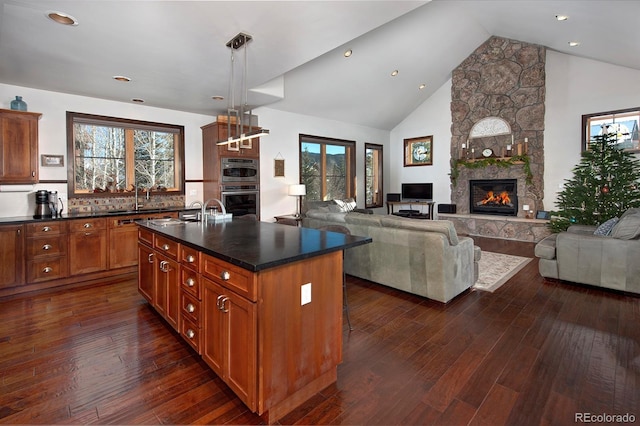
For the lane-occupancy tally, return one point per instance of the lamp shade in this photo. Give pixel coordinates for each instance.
(298, 189)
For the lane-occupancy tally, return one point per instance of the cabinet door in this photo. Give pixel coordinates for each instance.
(146, 268)
(230, 336)
(19, 147)
(167, 288)
(123, 246)
(87, 251)
(214, 326)
(11, 255)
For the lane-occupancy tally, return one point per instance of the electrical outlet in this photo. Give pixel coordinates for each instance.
(193, 192)
(305, 294)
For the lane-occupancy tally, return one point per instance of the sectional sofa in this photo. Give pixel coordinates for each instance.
(423, 257)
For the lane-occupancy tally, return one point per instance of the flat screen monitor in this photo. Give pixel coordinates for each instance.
(417, 191)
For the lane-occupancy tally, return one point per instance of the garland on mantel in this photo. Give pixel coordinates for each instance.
(491, 161)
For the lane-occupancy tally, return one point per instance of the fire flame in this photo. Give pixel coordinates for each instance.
(501, 199)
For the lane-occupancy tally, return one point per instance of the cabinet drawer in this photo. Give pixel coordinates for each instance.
(145, 236)
(230, 276)
(190, 332)
(190, 258)
(166, 246)
(46, 228)
(54, 245)
(46, 269)
(190, 307)
(190, 282)
(84, 225)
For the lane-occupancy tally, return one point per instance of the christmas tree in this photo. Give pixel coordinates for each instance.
(606, 182)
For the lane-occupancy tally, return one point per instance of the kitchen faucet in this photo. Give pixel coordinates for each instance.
(204, 208)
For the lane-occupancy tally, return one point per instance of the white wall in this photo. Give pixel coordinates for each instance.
(433, 117)
(283, 142)
(53, 139)
(577, 86)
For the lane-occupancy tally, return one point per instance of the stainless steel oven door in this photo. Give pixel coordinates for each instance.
(241, 203)
(239, 170)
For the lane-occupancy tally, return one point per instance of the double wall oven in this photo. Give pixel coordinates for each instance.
(240, 185)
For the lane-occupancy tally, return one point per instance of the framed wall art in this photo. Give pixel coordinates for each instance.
(47, 160)
(418, 151)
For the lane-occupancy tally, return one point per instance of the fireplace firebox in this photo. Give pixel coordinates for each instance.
(493, 196)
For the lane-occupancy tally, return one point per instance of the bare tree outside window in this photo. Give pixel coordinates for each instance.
(117, 155)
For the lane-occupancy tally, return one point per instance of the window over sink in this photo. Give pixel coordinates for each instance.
(111, 155)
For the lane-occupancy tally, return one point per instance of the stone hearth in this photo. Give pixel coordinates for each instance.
(511, 228)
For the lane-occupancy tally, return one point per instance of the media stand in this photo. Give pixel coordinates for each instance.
(416, 215)
(411, 212)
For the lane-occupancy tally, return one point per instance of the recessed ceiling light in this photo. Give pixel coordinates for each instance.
(574, 43)
(422, 86)
(348, 53)
(562, 17)
(121, 78)
(394, 73)
(218, 98)
(138, 100)
(62, 18)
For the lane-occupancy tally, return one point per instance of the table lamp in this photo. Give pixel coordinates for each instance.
(298, 190)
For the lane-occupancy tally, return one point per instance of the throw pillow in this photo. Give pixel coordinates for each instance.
(628, 228)
(605, 228)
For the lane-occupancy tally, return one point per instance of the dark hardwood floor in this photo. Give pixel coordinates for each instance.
(534, 352)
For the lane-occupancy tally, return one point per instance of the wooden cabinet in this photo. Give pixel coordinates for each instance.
(18, 146)
(11, 255)
(87, 246)
(212, 153)
(123, 238)
(159, 275)
(146, 267)
(229, 346)
(46, 251)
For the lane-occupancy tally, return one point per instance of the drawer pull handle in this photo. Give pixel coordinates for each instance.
(47, 269)
(150, 258)
(46, 229)
(225, 275)
(191, 282)
(165, 247)
(190, 308)
(87, 225)
(46, 247)
(191, 258)
(164, 266)
(219, 300)
(191, 334)
(222, 307)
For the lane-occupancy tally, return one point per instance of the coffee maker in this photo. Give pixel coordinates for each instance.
(43, 206)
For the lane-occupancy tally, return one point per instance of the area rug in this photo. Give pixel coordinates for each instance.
(497, 268)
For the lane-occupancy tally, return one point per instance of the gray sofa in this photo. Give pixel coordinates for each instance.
(423, 257)
(609, 259)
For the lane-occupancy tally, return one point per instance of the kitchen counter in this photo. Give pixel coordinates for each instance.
(112, 213)
(255, 245)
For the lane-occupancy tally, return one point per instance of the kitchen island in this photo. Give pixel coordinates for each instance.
(261, 302)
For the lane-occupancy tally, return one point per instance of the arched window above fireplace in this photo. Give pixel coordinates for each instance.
(490, 126)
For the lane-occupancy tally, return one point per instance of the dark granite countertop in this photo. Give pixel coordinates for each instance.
(111, 213)
(256, 245)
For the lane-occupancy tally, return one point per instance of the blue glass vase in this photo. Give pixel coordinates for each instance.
(18, 104)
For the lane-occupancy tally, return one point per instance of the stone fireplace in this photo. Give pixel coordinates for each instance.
(501, 82)
(504, 79)
(493, 196)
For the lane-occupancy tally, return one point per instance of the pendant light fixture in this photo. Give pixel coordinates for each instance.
(236, 116)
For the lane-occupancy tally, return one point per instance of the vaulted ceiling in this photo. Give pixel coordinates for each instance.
(176, 56)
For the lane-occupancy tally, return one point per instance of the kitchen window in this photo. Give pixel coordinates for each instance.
(327, 168)
(115, 155)
(373, 175)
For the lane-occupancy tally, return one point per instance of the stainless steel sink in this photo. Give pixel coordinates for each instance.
(167, 221)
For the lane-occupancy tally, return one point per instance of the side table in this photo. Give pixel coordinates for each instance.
(289, 219)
